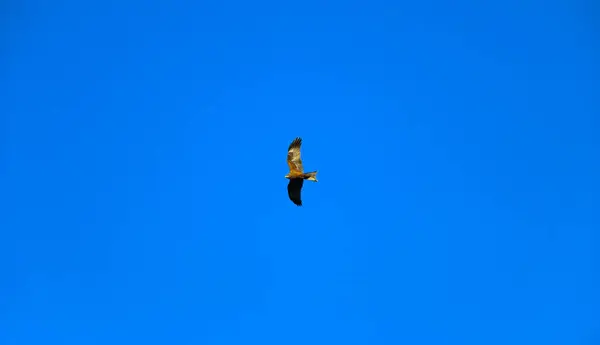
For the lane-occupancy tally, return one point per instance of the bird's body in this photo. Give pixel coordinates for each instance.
(297, 174)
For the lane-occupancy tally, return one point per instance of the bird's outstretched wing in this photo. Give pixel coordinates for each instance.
(294, 190)
(293, 157)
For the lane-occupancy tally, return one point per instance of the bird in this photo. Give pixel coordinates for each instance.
(297, 174)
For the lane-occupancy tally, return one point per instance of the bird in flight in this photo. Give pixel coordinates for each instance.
(296, 174)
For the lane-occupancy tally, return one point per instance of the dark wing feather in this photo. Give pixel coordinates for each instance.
(293, 157)
(294, 188)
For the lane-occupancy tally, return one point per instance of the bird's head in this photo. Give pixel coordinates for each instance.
(287, 176)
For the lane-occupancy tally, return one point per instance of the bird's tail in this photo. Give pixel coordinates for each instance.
(311, 176)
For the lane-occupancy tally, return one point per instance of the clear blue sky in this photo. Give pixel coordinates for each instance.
(143, 150)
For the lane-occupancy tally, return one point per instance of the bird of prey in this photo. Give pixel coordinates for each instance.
(296, 174)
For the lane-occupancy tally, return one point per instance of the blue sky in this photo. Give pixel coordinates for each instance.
(143, 158)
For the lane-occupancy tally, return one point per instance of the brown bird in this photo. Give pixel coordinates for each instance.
(296, 174)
